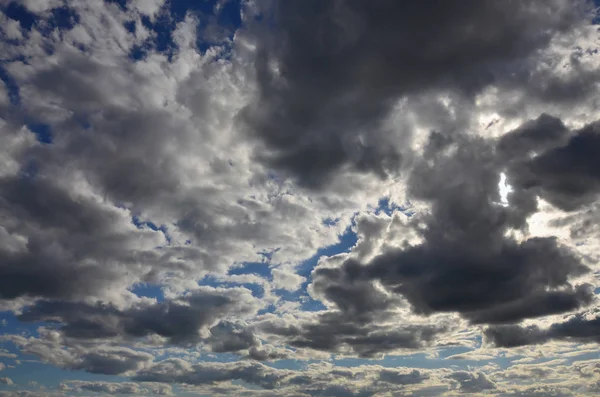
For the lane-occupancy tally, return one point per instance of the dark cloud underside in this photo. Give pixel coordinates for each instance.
(330, 72)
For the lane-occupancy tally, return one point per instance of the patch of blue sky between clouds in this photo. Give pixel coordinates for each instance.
(19, 13)
(148, 290)
(12, 325)
(388, 207)
(140, 224)
(211, 15)
(347, 240)
(43, 132)
(212, 281)
(60, 18)
(11, 86)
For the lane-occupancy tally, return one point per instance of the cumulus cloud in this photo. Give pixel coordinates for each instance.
(466, 262)
(238, 197)
(117, 388)
(566, 176)
(472, 383)
(582, 327)
(101, 359)
(332, 72)
(180, 320)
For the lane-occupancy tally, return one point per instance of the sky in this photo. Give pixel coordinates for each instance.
(299, 198)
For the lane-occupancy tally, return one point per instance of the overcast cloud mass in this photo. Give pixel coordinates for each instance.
(303, 198)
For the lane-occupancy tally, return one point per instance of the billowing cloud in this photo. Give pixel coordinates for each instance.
(117, 388)
(180, 320)
(175, 370)
(566, 175)
(465, 263)
(582, 327)
(299, 198)
(330, 73)
(472, 383)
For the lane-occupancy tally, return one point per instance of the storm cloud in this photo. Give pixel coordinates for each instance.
(466, 263)
(330, 73)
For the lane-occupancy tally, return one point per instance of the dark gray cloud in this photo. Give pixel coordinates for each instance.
(180, 320)
(534, 136)
(317, 379)
(567, 176)
(329, 73)
(110, 362)
(466, 263)
(537, 305)
(268, 353)
(113, 388)
(584, 328)
(331, 93)
(67, 235)
(516, 277)
(337, 331)
(514, 335)
(228, 336)
(174, 168)
(179, 371)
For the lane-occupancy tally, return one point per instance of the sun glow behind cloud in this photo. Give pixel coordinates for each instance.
(504, 189)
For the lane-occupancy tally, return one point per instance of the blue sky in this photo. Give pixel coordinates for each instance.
(255, 198)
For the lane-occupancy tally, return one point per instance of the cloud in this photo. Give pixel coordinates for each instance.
(228, 336)
(567, 175)
(270, 353)
(100, 359)
(534, 136)
(541, 391)
(350, 151)
(472, 383)
(180, 321)
(399, 378)
(6, 381)
(338, 332)
(581, 327)
(465, 263)
(179, 371)
(319, 379)
(83, 231)
(117, 387)
(209, 205)
(329, 74)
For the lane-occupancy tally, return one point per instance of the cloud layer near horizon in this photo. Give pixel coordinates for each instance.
(301, 198)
